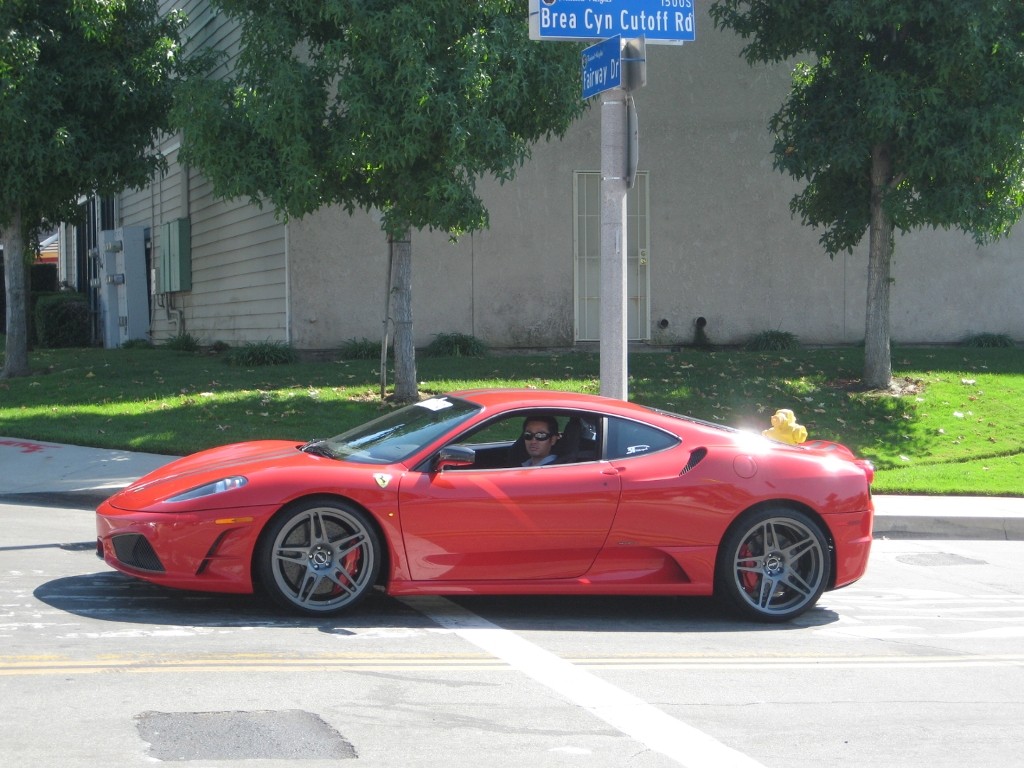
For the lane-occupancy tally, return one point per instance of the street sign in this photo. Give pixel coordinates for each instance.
(659, 21)
(614, 63)
(602, 66)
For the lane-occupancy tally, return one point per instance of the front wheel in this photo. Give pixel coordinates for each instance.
(774, 564)
(319, 557)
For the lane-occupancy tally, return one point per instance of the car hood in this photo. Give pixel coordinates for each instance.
(270, 466)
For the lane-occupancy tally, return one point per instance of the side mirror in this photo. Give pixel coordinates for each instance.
(453, 457)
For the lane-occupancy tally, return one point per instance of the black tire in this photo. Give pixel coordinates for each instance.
(319, 557)
(773, 564)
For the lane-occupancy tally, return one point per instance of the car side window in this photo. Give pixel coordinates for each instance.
(491, 442)
(630, 438)
(503, 430)
(500, 443)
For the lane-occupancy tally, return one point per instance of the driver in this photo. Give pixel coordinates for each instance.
(540, 433)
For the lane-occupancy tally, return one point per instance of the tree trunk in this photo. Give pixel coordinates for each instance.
(877, 353)
(16, 353)
(406, 386)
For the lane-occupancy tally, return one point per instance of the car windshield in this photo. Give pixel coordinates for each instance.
(398, 435)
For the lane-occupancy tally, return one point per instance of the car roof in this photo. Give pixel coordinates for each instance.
(541, 398)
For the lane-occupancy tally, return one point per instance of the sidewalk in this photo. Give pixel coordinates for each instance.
(51, 474)
(47, 474)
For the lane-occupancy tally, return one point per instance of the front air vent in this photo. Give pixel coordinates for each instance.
(135, 551)
(696, 457)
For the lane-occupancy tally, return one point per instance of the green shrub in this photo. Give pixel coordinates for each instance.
(772, 341)
(137, 344)
(263, 353)
(360, 349)
(62, 320)
(989, 340)
(219, 347)
(183, 342)
(455, 345)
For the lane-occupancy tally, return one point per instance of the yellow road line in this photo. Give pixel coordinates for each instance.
(49, 665)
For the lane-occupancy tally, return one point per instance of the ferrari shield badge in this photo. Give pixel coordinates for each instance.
(382, 479)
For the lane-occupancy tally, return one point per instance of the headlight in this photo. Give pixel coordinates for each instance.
(218, 486)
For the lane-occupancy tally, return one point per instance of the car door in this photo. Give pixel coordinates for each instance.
(546, 522)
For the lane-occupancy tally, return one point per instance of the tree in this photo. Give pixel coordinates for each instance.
(910, 114)
(397, 107)
(85, 88)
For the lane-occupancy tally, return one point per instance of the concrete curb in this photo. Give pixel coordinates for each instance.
(996, 518)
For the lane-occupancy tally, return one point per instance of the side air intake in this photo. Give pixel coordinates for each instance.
(696, 457)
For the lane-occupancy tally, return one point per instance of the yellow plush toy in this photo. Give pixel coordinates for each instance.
(785, 429)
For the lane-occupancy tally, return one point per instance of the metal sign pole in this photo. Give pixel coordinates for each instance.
(614, 186)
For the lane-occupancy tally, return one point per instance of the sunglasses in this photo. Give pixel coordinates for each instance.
(537, 435)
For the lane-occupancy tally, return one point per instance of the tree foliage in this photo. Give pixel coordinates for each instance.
(85, 88)
(373, 104)
(907, 113)
(397, 107)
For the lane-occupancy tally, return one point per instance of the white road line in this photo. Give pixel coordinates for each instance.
(623, 711)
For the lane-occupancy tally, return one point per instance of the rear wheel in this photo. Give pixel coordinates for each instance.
(319, 557)
(774, 564)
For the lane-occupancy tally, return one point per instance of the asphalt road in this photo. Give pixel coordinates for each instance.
(918, 665)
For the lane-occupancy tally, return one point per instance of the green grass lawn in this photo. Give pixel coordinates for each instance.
(956, 425)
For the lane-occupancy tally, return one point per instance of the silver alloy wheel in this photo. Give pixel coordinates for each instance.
(775, 565)
(320, 558)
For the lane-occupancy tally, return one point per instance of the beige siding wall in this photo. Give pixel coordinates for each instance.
(237, 255)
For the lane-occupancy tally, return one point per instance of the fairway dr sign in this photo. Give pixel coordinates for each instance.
(602, 66)
(659, 21)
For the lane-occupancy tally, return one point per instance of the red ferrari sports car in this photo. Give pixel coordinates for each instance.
(442, 497)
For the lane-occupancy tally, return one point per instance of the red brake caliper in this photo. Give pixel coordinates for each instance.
(350, 563)
(749, 579)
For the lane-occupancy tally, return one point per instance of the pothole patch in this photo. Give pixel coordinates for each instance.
(267, 735)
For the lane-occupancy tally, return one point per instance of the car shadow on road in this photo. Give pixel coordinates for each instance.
(115, 597)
